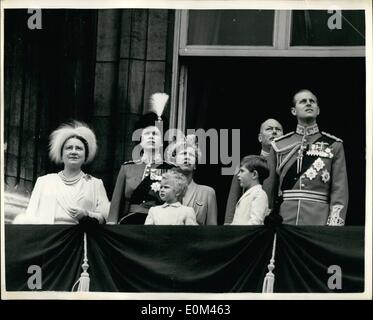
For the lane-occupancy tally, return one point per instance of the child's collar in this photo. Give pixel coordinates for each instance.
(253, 188)
(174, 205)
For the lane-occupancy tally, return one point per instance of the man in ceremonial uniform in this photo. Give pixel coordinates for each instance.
(308, 177)
(269, 130)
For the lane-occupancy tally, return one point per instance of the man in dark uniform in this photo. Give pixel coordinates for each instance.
(308, 177)
(269, 130)
(138, 182)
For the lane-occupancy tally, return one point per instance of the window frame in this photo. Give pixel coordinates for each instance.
(281, 48)
(281, 43)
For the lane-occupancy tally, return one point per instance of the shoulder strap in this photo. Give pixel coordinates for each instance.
(331, 136)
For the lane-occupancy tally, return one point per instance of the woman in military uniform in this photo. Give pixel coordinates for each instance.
(138, 182)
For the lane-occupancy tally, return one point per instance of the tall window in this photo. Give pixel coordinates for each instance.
(272, 33)
(231, 27)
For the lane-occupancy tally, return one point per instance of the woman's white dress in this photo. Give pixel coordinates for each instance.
(52, 200)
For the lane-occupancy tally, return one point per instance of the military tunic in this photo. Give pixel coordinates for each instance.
(136, 189)
(308, 171)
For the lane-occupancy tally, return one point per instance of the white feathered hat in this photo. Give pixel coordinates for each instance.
(59, 136)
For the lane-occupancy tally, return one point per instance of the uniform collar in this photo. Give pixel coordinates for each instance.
(174, 205)
(307, 131)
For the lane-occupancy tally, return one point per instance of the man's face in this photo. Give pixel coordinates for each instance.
(269, 130)
(306, 106)
(151, 138)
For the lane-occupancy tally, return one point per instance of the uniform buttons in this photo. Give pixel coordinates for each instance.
(295, 179)
(302, 185)
(143, 201)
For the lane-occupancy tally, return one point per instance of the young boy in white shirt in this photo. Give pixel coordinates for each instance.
(252, 207)
(172, 212)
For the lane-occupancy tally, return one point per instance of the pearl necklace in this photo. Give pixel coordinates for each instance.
(70, 181)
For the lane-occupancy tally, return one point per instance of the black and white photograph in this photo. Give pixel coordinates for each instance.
(186, 150)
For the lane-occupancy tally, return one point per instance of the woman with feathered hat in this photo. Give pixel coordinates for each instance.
(138, 182)
(69, 195)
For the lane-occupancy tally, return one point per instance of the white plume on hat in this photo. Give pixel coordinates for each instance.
(158, 102)
(59, 136)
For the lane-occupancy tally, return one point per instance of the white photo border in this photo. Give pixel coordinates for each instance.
(365, 5)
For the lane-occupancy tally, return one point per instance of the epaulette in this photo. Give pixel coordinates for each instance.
(331, 136)
(284, 136)
(285, 148)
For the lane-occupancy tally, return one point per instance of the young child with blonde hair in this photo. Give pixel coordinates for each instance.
(173, 187)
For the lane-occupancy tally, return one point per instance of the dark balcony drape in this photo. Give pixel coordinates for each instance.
(185, 259)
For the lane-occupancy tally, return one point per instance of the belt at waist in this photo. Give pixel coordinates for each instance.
(137, 208)
(305, 195)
